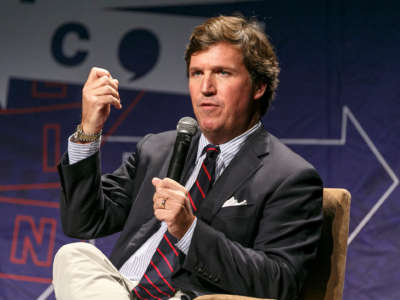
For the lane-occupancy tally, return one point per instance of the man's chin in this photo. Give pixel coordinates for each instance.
(208, 127)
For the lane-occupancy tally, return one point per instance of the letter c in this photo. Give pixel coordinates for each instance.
(57, 44)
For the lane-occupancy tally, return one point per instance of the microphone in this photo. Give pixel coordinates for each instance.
(186, 128)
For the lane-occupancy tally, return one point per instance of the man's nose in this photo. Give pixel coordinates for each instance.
(208, 86)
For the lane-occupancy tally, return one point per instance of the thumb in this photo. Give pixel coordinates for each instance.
(155, 181)
(187, 203)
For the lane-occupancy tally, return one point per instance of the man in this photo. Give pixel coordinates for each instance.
(254, 233)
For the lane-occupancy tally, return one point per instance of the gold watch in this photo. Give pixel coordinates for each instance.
(81, 136)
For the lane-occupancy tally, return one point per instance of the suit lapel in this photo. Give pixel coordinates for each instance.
(165, 165)
(246, 162)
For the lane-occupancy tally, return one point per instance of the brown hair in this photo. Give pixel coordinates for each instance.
(258, 54)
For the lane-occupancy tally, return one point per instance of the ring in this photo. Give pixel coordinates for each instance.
(163, 201)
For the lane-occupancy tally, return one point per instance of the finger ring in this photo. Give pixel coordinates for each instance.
(163, 201)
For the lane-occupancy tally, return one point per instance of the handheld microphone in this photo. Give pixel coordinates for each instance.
(186, 128)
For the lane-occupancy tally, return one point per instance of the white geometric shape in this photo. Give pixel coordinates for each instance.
(46, 293)
(348, 115)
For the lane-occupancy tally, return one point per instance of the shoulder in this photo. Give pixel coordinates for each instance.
(284, 160)
(162, 139)
(286, 155)
(156, 145)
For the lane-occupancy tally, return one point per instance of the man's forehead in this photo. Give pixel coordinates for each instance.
(218, 44)
(218, 54)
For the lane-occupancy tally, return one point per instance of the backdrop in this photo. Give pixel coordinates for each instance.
(337, 105)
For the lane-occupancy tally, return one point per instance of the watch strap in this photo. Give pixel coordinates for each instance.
(81, 136)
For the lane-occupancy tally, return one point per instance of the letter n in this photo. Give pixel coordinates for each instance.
(38, 241)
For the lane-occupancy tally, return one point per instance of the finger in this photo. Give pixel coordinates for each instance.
(162, 215)
(160, 203)
(158, 196)
(155, 181)
(165, 199)
(109, 99)
(97, 72)
(174, 206)
(156, 205)
(168, 183)
(167, 213)
(104, 81)
(106, 90)
(170, 212)
(172, 196)
(187, 204)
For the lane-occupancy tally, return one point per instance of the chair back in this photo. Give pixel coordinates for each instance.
(326, 279)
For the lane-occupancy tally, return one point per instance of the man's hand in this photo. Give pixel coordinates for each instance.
(99, 92)
(171, 205)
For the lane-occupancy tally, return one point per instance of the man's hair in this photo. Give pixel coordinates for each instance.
(258, 54)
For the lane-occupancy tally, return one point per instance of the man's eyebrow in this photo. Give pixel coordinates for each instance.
(224, 67)
(216, 67)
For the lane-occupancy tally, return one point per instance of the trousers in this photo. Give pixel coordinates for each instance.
(82, 271)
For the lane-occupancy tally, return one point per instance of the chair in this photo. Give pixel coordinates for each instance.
(326, 278)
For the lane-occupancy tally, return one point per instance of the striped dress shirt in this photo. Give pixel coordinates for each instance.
(136, 265)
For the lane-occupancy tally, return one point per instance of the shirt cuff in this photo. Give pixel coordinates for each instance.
(184, 243)
(78, 152)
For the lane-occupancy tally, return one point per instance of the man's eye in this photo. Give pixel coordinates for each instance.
(224, 73)
(195, 73)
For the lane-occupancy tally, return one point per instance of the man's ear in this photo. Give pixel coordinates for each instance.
(259, 91)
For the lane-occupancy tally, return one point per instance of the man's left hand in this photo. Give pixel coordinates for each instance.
(171, 205)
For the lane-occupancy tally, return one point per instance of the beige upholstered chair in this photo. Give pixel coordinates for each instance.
(326, 279)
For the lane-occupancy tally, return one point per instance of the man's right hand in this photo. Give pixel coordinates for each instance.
(99, 92)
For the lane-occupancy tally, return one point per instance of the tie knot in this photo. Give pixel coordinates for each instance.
(211, 151)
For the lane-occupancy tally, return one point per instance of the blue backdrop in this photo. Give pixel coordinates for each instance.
(337, 105)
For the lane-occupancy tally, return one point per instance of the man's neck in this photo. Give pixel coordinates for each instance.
(218, 138)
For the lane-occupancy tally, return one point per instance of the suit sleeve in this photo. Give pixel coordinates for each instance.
(278, 261)
(92, 205)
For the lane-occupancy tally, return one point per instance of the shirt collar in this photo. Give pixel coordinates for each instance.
(228, 149)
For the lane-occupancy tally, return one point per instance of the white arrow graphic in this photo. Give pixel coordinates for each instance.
(348, 115)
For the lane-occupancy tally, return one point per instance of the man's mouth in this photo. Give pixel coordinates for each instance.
(208, 104)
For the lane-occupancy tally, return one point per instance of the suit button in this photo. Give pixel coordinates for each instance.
(217, 279)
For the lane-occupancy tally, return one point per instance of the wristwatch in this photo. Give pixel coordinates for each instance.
(81, 136)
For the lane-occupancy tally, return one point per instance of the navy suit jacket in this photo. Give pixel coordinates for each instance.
(262, 249)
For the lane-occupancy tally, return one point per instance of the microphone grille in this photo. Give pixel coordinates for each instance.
(187, 125)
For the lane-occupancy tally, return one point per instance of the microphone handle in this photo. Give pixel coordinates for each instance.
(179, 154)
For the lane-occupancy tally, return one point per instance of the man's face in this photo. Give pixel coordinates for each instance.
(221, 91)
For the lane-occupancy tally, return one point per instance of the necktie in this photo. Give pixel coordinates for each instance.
(206, 177)
(156, 282)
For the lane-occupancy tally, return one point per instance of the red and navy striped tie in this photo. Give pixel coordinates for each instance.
(206, 177)
(156, 281)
